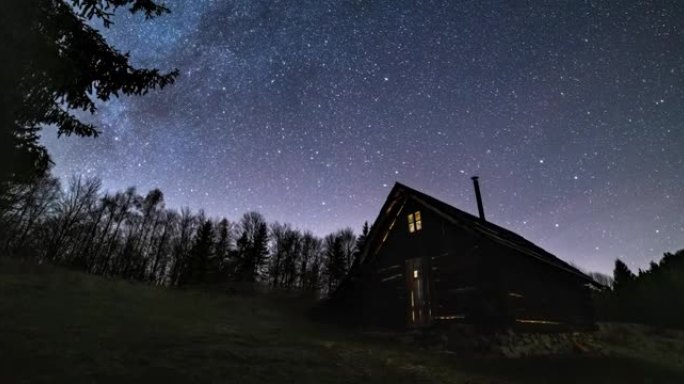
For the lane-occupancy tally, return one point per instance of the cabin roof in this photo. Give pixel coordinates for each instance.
(470, 222)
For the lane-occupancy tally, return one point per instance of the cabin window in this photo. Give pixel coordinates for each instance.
(415, 222)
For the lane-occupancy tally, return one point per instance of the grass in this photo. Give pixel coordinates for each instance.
(64, 326)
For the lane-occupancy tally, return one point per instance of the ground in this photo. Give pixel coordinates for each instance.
(64, 326)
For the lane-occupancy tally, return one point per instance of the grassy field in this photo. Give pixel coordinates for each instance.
(63, 326)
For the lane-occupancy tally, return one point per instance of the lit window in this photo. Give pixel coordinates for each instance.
(415, 222)
(415, 273)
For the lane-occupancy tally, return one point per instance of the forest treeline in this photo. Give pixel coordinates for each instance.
(134, 236)
(653, 296)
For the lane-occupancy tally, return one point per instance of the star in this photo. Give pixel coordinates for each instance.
(295, 107)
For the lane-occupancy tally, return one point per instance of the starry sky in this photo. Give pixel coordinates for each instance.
(571, 112)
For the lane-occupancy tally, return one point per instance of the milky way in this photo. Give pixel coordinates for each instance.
(571, 113)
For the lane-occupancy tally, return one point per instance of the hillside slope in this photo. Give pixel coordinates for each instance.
(63, 326)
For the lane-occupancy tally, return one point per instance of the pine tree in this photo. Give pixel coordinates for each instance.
(222, 249)
(54, 62)
(200, 256)
(360, 243)
(622, 276)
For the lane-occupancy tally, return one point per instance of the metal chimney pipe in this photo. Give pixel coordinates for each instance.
(478, 196)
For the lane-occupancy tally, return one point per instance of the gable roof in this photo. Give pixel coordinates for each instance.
(471, 223)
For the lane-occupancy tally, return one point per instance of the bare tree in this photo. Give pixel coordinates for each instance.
(72, 207)
(348, 244)
(252, 246)
(310, 263)
(32, 204)
(136, 237)
(186, 229)
(224, 249)
(158, 273)
(120, 210)
(149, 208)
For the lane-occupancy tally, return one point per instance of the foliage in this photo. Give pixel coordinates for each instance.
(136, 237)
(201, 258)
(654, 296)
(623, 278)
(361, 243)
(55, 62)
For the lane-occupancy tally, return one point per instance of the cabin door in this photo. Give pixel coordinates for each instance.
(418, 300)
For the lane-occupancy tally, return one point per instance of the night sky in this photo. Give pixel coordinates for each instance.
(571, 113)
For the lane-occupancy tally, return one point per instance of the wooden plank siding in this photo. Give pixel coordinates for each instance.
(476, 273)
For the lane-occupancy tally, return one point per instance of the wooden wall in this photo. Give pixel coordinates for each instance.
(471, 279)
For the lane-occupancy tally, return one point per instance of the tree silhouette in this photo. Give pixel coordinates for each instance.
(335, 260)
(181, 246)
(223, 248)
(361, 242)
(72, 208)
(200, 256)
(654, 296)
(603, 279)
(29, 205)
(622, 276)
(55, 63)
(134, 236)
(252, 246)
(311, 263)
(348, 242)
(285, 256)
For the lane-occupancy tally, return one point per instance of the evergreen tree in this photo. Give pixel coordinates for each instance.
(361, 243)
(622, 276)
(200, 259)
(54, 62)
(222, 250)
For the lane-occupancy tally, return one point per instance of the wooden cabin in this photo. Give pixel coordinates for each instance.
(427, 263)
